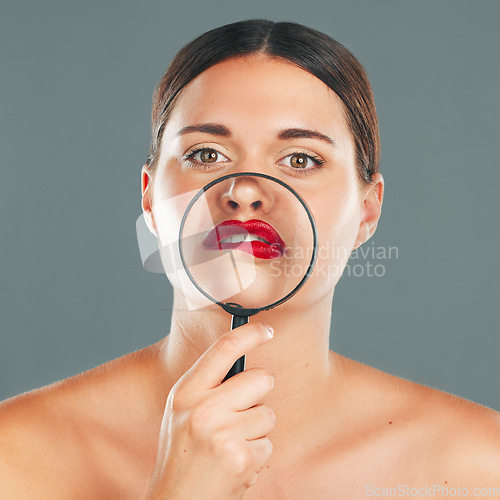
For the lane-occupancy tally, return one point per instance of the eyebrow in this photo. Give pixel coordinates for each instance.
(289, 133)
(294, 133)
(207, 128)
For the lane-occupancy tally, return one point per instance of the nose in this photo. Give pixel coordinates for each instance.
(247, 196)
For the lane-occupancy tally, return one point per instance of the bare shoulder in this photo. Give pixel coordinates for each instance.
(32, 448)
(467, 438)
(447, 437)
(53, 439)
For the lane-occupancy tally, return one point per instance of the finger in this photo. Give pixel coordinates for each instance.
(262, 450)
(209, 371)
(244, 390)
(256, 422)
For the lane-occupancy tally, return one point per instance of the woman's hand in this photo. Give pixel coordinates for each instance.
(213, 436)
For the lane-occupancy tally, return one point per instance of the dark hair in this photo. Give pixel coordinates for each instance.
(315, 52)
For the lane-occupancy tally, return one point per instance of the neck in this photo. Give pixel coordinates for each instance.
(298, 356)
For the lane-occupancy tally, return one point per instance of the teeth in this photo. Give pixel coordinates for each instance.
(240, 238)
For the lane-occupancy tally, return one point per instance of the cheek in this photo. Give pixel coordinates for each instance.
(171, 198)
(168, 182)
(337, 221)
(171, 195)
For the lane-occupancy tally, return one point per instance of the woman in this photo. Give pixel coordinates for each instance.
(301, 421)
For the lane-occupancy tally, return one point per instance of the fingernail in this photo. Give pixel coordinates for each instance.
(270, 331)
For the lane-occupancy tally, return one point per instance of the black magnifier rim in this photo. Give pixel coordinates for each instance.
(231, 307)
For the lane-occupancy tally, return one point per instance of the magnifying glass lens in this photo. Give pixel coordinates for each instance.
(247, 242)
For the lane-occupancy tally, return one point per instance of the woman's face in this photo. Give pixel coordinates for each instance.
(270, 117)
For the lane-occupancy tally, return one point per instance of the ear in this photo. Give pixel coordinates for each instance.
(146, 201)
(371, 209)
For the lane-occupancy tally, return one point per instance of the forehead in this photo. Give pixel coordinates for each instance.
(261, 93)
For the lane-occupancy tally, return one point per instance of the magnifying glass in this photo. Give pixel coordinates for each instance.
(248, 243)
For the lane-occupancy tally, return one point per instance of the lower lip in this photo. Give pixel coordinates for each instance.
(258, 249)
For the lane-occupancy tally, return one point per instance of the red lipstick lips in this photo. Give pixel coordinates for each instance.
(255, 237)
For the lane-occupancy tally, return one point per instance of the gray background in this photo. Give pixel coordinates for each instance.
(76, 85)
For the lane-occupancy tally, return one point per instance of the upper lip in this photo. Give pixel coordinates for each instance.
(254, 226)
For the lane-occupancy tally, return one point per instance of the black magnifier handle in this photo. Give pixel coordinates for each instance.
(239, 365)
